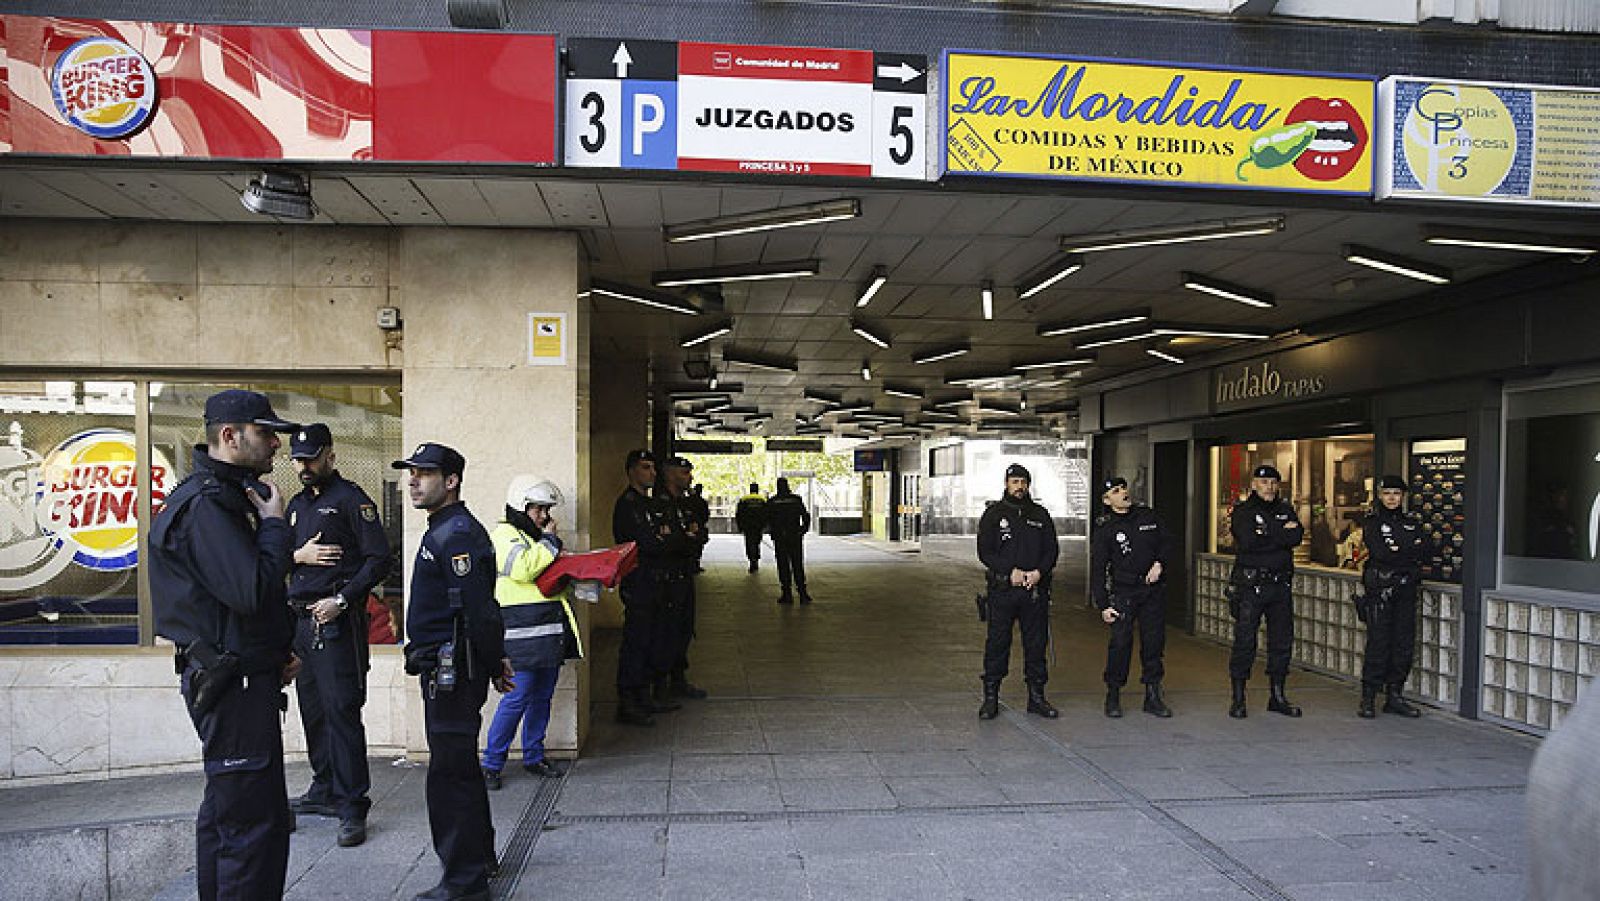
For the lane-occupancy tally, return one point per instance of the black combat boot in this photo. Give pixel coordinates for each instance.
(1394, 703)
(1037, 704)
(1278, 702)
(632, 708)
(805, 596)
(991, 701)
(681, 687)
(1236, 709)
(1153, 703)
(660, 697)
(1369, 694)
(786, 597)
(1113, 701)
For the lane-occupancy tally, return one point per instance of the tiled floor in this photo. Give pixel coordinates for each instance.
(839, 756)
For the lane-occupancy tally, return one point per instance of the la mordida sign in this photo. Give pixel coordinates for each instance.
(1049, 117)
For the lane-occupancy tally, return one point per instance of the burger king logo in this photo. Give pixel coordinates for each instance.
(104, 88)
(88, 497)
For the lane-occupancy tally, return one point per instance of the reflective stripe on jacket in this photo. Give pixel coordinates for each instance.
(536, 626)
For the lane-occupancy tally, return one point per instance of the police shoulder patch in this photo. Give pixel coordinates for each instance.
(369, 513)
(461, 564)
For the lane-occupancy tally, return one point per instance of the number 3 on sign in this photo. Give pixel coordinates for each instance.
(594, 110)
(899, 125)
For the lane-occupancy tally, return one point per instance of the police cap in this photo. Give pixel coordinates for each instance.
(679, 463)
(309, 441)
(641, 454)
(237, 405)
(1266, 471)
(1018, 471)
(434, 456)
(1392, 481)
(1111, 482)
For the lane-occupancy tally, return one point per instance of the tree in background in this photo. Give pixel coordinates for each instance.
(727, 477)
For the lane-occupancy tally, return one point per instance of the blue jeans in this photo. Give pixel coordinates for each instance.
(528, 703)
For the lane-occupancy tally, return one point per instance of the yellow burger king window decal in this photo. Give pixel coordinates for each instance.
(88, 497)
(104, 88)
(1051, 117)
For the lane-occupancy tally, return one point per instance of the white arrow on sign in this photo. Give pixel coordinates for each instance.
(622, 60)
(904, 71)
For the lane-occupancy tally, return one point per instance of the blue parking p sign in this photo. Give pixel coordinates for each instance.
(622, 104)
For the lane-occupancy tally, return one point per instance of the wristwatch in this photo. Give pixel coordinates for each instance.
(343, 604)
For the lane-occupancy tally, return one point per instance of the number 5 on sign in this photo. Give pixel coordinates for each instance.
(899, 115)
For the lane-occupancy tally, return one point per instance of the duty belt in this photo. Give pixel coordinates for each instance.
(1262, 574)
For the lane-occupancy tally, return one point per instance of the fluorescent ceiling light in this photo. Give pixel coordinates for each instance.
(1201, 331)
(880, 275)
(860, 328)
(965, 398)
(1054, 364)
(1398, 265)
(852, 408)
(902, 391)
(944, 353)
(1194, 281)
(660, 301)
(746, 272)
(715, 331)
(1000, 409)
(978, 378)
(988, 300)
(1137, 335)
(680, 396)
(1110, 320)
(755, 360)
(1048, 275)
(1500, 239)
(939, 416)
(719, 407)
(1163, 355)
(1172, 234)
(762, 220)
(826, 397)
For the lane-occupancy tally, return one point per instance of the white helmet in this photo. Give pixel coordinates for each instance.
(526, 489)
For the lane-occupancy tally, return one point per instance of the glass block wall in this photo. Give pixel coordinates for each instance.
(1329, 638)
(1537, 659)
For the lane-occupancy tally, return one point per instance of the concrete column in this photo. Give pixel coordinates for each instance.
(465, 296)
(618, 388)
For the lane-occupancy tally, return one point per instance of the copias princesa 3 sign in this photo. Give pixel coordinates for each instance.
(1050, 117)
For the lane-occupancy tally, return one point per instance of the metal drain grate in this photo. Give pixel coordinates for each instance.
(774, 816)
(515, 858)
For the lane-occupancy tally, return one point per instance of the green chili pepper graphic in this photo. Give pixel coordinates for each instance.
(1278, 147)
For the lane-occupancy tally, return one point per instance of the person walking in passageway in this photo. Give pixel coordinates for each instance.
(1388, 602)
(789, 521)
(750, 516)
(1017, 546)
(1127, 568)
(541, 632)
(1265, 534)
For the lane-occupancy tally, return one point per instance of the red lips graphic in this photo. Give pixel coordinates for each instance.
(1340, 142)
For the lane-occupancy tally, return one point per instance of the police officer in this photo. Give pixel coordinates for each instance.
(630, 521)
(1017, 545)
(1265, 532)
(750, 516)
(677, 519)
(696, 498)
(1126, 579)
(1389, 583)
(341, 555)
(457, 648)
(219, 552)
(788, 521)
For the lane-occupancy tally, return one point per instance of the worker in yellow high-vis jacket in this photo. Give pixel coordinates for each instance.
(540, 631)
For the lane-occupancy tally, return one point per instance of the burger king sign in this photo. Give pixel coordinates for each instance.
(104, 88)
(87, 497)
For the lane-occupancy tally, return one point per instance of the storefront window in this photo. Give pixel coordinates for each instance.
(365, 423)
(69, 513)
(1329, 481)
(70, 497)
(1551, 530)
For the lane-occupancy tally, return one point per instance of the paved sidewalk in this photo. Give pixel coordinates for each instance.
(839, 756)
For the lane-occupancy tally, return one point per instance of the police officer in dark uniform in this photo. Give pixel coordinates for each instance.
(702, 515)
(1394, 540)
(1127, 567)
(676, 515)
(219, 552)
(788, 521)
(1017, 545)
(457, 646)
(1265, 533)
(630, 521)
(341, 555)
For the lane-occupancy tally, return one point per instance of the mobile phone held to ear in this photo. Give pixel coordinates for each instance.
(262, 489)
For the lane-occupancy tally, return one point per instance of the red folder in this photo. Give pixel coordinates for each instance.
(606, 566)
